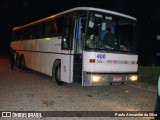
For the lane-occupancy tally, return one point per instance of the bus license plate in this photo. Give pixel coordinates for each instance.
(117, 78)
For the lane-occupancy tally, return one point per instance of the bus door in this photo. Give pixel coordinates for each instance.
(78, 47)
(66, 57)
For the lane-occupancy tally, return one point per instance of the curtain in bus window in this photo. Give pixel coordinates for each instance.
(78, 35)
(49, 28)
(78, 28)
(55, 28)
(58, 26)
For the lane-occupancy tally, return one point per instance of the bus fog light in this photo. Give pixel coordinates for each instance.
(133, 77)
(96, 78)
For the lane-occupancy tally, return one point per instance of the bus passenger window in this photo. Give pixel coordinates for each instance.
(39, 31)
(48, 29)
(55, 28)
(58, 23)
(67, 33)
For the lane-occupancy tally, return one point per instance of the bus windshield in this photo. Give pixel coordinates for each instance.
(110, 33)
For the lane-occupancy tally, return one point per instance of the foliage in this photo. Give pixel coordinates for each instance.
(149, 74)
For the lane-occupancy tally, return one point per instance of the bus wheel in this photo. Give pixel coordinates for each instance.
(17, 64)
(56, 73)
(22, 62)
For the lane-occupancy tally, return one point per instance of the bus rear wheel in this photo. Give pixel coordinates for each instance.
(22, 62)
(56, 73)
(17, 64)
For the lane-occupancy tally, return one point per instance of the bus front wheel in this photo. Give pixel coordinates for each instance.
(56, 73)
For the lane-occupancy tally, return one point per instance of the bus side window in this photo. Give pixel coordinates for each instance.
(39, 31)
(58, 25)
(48, 29)
(30, 32)
(67, 33)
(55, 29)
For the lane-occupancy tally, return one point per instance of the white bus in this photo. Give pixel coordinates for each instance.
(72, 47)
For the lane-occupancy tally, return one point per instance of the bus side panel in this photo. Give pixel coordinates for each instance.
(43, 45)
(40, 55)
(16, 45)
(48, 53)
(55, 45)
(25, 45)
(66, 68)
(45, 63)
(41, 62)
(32, 45)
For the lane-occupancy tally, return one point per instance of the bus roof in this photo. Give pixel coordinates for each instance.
(76, 9)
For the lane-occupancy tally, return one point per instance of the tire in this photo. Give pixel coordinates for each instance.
(56, 73)
(22, 62)
(17, 63)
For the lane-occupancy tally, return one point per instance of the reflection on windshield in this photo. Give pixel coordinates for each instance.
(110, 33)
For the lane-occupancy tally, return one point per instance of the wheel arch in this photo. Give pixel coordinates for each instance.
(54, 70)
(55, 63)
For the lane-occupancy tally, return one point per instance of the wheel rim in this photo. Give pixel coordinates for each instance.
(23, 63)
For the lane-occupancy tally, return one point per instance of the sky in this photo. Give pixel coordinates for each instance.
(19, 12)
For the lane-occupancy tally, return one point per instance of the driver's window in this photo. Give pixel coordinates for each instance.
(93, 33)
(101, 32)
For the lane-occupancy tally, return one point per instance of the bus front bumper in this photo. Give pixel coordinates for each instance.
(100, 79)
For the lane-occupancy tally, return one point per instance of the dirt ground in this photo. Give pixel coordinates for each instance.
(30, 91)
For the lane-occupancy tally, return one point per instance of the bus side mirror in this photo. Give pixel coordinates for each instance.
(159, 86)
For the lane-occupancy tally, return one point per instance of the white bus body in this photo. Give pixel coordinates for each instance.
(61, 46)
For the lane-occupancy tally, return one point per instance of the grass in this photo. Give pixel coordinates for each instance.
(149, 74)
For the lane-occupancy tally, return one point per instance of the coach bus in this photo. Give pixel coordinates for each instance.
(72, 47)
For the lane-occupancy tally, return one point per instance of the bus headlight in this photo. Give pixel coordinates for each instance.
(133, 77)
(96, 78)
